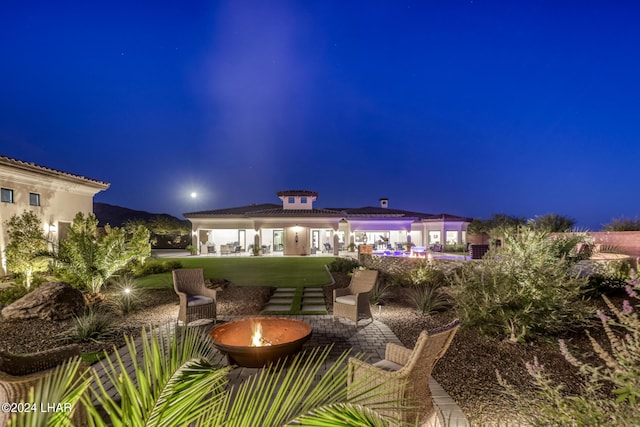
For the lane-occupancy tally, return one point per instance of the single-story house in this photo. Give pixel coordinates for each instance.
(296, 227)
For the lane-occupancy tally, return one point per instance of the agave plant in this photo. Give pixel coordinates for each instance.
(175, 382)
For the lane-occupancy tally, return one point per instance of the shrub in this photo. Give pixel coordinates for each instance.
(429, 299)
(343, 265)
(12, 294)
(92, 256)
(623, 224)
(521, 290)
(427, 273)
(90, 326)
(456, 248)
(26, 245)
(609, 277)
(156, 266)
(125, 298)
(610, 392)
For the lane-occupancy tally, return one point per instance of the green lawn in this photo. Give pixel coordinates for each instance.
(291, 272)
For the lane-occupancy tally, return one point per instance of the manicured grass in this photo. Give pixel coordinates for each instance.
(287, 272)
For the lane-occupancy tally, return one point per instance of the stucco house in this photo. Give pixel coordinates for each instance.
(296, 227)
(55, 196)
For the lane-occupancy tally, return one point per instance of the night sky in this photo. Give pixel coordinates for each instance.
(465, 107)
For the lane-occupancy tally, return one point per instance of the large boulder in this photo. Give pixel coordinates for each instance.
(50, 301)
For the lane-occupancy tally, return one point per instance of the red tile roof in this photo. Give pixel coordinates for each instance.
(32, 167)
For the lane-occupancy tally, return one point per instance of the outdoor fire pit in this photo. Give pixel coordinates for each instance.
(257, 341)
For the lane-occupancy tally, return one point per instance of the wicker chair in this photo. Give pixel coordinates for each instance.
(196, 300)
(353, 300)
(405, 374)
(20, 373)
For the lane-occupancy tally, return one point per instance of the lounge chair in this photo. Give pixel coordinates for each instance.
(20, 373)
(405, 374)
(196, 300)
(353, 300)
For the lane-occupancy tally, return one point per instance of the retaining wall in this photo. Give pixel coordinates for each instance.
(398, 265)
(627, 242)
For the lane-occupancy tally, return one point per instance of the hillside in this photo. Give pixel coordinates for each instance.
(115, 216)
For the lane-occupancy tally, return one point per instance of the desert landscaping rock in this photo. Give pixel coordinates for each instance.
(50, 301)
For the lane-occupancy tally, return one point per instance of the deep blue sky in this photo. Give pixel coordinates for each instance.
(466, 107)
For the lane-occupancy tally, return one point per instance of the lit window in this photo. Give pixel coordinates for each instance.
(6, 195)
(452, 237)
(292, 200)
(434, 237)
(34, 199)
(303, 200)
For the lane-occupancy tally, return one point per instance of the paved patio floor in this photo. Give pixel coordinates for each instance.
(369, 338)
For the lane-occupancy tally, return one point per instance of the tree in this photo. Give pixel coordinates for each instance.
(495, 222)
(623, 224)
(26, 242)
(553, 223)
(91, 256)
(164, 224)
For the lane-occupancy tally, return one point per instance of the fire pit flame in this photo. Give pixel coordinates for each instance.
(257, 340)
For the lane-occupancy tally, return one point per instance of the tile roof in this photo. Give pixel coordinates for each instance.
(376, 211)
(237, 211)
(32, 167)
(298, 212)
(447, 216)
(276, 210)
(308, 193)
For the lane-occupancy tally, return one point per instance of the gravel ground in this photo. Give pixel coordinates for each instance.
(156, 306)
(467, 371)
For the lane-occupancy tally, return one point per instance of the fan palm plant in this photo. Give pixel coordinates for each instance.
(175, 382)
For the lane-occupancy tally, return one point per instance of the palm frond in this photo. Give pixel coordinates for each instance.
(63, 389)
(168, 384)
(341, 415)
(291, 393)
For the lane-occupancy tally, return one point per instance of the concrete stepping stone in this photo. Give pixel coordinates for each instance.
(277, 307)
(282, 300)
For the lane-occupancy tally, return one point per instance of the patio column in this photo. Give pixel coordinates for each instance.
(194, 238)
(336, 244)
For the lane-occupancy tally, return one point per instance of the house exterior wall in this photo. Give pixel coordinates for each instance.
(297, 202)
(327, 229)
(61, 196)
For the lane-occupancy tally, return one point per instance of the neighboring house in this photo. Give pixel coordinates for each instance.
(296, 227)
(55, 196)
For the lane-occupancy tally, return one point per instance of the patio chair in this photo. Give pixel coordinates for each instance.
(196, 300)
(353, 300)
(404, 375)
(21, 372)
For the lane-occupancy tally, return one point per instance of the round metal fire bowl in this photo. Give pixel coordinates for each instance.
(285, 335)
